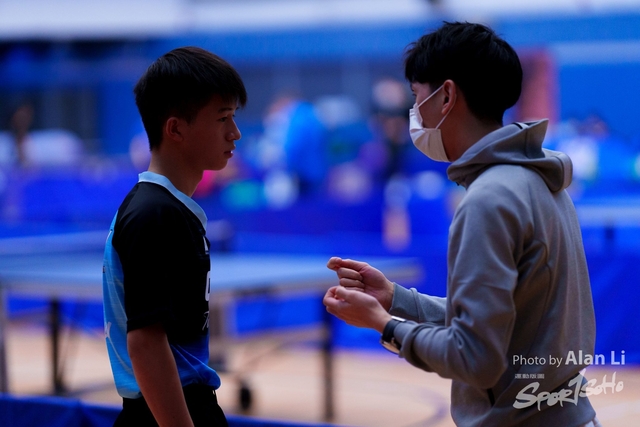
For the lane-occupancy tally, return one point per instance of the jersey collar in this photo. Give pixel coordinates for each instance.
(162, 180)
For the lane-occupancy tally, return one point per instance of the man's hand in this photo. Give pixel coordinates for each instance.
(356, 308)
(358, 275)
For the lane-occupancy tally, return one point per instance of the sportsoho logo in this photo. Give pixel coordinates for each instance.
(578, 386)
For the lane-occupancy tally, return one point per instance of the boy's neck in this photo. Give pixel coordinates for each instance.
(182, 177)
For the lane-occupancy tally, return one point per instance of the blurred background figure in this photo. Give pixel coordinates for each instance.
(293, 143)
(604, 162)
(25, 146)
(615, 157)
(27, 154)
(20, 123)
(351, 169)
(391, 102)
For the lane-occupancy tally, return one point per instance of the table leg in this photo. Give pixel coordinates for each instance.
(54, 333)
(217, 336)
(327, 357)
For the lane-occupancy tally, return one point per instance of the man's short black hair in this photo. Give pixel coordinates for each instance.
(180, 83)
(484, 66)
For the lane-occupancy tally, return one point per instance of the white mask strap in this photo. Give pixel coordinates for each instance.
(430, 96)
(445, 116)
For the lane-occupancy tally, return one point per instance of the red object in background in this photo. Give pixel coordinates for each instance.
(206, 185)
(539, 98)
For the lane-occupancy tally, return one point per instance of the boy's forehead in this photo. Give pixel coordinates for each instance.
(217, 103)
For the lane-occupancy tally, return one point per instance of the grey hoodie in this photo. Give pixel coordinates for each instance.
(518, 288)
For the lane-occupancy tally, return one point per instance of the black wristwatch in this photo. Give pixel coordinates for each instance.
(387, 339)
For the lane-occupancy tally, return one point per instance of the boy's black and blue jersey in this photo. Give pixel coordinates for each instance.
(156, 269)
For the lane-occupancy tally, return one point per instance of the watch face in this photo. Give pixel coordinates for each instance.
(390, 346)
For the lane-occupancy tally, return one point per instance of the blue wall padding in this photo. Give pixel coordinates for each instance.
(614, 283)
(63, 412)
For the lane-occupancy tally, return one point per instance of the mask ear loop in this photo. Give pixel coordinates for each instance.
(430, 96)
(417, 106)
(445, 116)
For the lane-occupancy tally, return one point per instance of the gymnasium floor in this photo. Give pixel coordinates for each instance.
(372, 388)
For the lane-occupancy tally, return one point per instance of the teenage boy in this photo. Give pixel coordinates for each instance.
(518, 288)
(156, 265)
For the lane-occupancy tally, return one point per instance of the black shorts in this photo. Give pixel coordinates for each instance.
(201, 402)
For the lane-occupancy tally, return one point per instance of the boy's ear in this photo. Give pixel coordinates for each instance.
(450, 90)
(173, 129)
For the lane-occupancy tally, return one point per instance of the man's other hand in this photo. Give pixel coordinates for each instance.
(356, 308)
(358, 275)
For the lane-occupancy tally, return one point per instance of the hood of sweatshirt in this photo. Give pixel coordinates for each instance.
(514, 144)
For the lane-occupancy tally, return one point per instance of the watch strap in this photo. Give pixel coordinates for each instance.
(387, 339)
(389, 329)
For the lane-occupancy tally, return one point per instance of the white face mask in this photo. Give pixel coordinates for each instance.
(427, 140)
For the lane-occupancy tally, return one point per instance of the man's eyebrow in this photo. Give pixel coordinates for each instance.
(223, 109)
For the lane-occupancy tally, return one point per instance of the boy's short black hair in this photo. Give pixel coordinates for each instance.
(484, 66)
(180, 83)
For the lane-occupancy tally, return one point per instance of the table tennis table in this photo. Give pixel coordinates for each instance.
(69, 267)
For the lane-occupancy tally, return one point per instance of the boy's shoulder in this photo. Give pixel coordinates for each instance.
(147, 196)
(148, 204)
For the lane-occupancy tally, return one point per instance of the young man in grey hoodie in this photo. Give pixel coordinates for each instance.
(518, 291)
